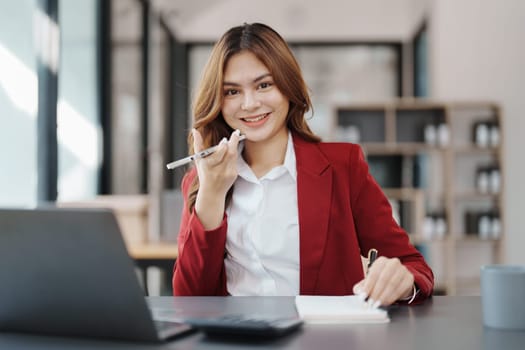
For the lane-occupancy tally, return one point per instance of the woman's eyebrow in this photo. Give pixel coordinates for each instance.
(259, 78)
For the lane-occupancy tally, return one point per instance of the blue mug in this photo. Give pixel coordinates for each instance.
(503, 296)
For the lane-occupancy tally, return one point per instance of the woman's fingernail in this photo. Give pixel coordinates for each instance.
(238, 132)
(362, 296)
(223, 141)
(371, 302)
(376, 304)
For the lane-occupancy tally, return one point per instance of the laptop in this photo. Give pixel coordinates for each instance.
(67, 272)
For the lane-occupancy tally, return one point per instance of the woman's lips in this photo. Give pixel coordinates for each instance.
(256, 118)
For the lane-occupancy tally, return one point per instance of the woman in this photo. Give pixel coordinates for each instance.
(281, 213)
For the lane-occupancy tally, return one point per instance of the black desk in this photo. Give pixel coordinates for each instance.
(442, 323)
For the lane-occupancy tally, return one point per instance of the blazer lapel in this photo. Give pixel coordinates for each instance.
(314, 195)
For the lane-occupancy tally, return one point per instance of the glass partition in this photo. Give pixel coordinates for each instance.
(18, 104)
(78, 126)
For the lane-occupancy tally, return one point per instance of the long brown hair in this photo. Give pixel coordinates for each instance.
(271, 49)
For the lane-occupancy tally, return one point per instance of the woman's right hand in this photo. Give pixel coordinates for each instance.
(217, 173)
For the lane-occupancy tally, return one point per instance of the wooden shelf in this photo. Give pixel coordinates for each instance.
(473, 150)
(406, 193)
(418, 238)
(447, 174)
(474, 238)
(399, 148)
(474, 195)
(377, 147)
(429, 194)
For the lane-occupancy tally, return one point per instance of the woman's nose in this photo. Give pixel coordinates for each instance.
(250, 102)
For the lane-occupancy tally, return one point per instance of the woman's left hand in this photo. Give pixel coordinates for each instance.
(386, 282)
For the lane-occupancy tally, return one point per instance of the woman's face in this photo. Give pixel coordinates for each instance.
(252, 102)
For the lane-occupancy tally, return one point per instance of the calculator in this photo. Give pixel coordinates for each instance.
(243, 325)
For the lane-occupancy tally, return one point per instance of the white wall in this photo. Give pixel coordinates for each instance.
(477, 51)
(298, 20)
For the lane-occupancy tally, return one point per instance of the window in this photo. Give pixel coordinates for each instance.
(79, 134)
(18, 104)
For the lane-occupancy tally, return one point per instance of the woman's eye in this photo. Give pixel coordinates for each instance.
(265, 85)
(230, 92)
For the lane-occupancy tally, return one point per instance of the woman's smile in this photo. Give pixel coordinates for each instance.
(255, 120)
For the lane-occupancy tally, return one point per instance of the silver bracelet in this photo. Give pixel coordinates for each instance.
(413, 296)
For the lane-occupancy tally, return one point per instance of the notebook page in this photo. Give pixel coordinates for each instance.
(338, 309)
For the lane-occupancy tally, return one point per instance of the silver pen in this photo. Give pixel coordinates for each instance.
(201, 154)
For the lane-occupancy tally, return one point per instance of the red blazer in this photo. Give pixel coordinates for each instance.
(342, 214)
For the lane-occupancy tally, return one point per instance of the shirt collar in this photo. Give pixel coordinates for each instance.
(289, 158)
(289, 163)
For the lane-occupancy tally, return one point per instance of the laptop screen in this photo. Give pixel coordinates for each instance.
(67, 272)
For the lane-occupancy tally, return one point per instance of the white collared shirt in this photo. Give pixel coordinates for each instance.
(263, 231)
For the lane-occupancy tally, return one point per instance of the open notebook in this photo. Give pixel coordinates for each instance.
(338, 309)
